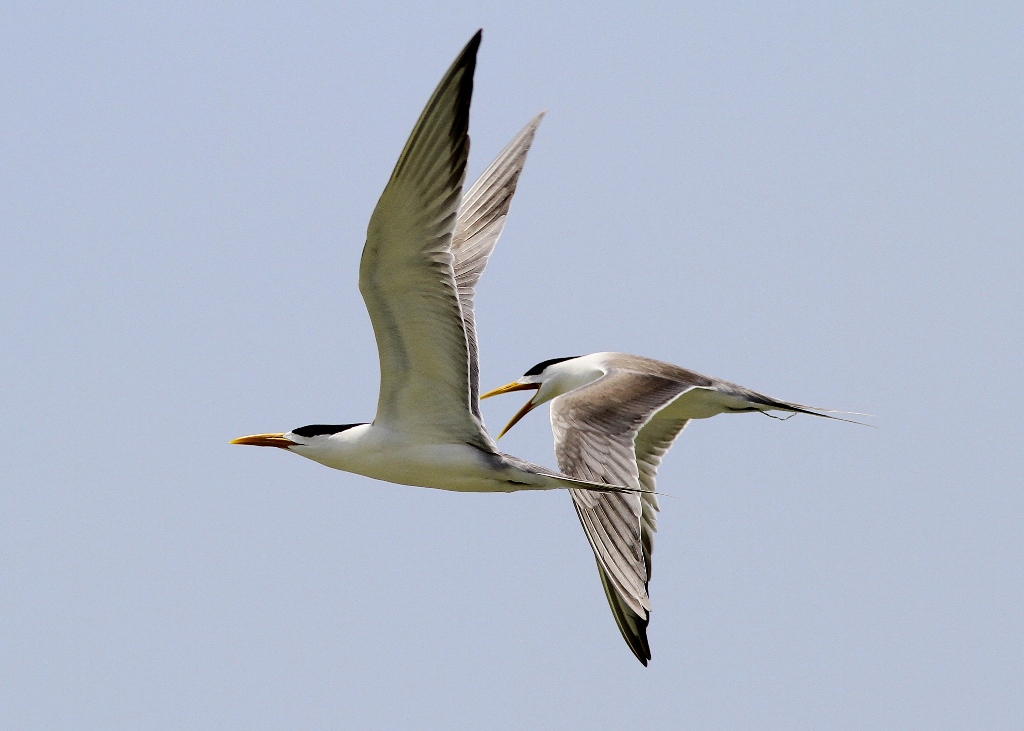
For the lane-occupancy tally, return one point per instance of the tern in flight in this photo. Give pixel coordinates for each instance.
(614, 416)
(428, 430)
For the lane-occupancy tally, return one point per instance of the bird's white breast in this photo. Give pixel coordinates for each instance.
(383, 454)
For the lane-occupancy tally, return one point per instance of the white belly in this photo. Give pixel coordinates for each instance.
(390, 457)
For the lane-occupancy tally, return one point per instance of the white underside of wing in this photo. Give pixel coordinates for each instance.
(700, 402)
(422, 347)
(407, 279)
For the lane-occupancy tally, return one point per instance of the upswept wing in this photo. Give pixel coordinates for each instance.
(598, 432)
(481, 220)
(406, 275)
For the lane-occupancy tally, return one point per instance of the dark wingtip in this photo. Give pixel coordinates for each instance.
(468, 56)
(454, 92)
(638, 644)
(644, 656)
(460, 125)
(632, 626)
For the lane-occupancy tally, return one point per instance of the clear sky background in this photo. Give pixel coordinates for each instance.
(823, 204)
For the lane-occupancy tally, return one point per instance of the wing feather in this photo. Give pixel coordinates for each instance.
(406, 275)
(481, 220)
(653, 441)
(632, 626)
(596, 429)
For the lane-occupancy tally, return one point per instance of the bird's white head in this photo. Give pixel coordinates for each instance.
(310, 440)
(551, 379)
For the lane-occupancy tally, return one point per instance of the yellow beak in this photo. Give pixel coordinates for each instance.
(266, 440)
(509, 388)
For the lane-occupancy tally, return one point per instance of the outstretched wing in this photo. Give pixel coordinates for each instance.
(406, 276)
(480, 223)
(597, 429)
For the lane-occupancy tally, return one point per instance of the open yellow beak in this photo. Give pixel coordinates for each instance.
(509, 388)
(266, 440)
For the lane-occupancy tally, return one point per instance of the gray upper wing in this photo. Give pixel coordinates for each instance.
(481, 220)
(406, 275)
(596, 432)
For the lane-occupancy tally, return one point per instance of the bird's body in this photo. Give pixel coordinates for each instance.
(383, 454)
(426, 247)
(614, 416)
(683, 393)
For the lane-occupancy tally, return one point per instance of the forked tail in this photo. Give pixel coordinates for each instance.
(810, 410)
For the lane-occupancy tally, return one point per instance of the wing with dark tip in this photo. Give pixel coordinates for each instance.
(406, 275)
(479, 226)
(597, 432)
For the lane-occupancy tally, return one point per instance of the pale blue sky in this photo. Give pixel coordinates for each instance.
(823, 204)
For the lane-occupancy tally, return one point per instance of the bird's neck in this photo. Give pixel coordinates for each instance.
(569, 376)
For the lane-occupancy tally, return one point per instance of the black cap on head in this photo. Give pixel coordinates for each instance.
(319, 430)
(539, 368)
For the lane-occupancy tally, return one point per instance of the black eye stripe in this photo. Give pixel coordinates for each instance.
(318, 430)
(539, 368)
